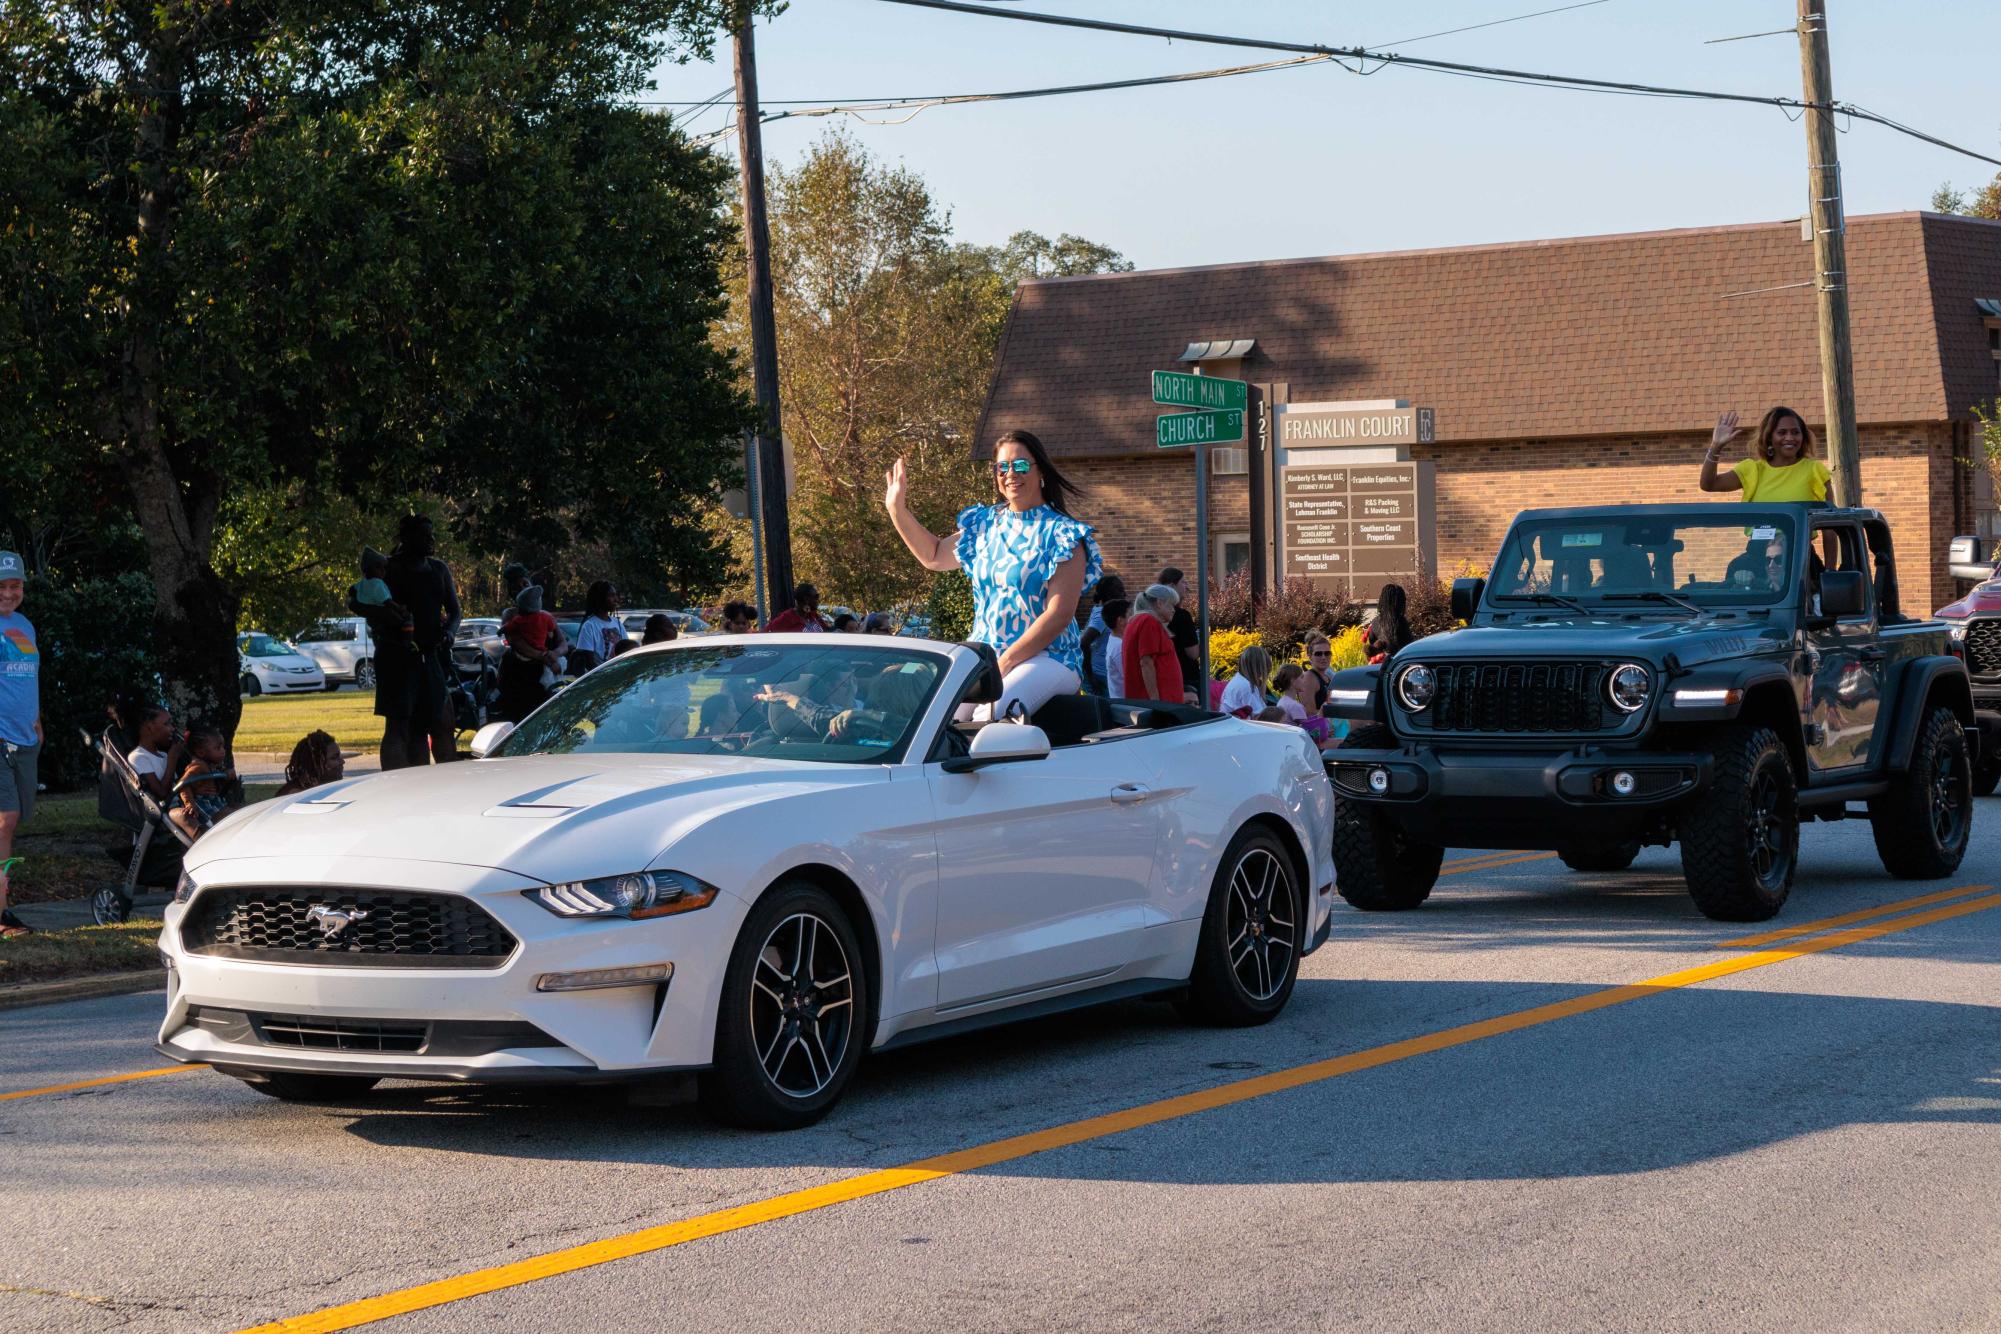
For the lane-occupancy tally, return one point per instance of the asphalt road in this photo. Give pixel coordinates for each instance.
(1810, 1142)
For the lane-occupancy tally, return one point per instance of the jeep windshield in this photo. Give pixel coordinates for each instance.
(1718, 558)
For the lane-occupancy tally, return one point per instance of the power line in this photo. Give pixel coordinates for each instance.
(825, 106)
(1573, 83)
(1495, 23)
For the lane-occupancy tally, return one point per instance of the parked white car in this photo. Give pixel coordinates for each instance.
(267, 666)
(343, 649)
(750, 858)
(686, 623)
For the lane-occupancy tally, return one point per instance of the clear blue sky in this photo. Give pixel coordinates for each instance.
(1325, 162)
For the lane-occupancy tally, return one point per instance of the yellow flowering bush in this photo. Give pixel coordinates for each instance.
(1225, 647)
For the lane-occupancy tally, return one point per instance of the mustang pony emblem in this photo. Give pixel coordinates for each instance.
(333, 921)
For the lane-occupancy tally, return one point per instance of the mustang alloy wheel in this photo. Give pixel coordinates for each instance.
(794, 1013)
(1247, 957)
(802, 1005)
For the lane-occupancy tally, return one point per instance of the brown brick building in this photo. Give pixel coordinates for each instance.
(1560, 372)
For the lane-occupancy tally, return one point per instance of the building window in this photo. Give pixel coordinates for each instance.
(1229, 460)
(1233, 554)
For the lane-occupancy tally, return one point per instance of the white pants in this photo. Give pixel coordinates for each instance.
(1033, 684)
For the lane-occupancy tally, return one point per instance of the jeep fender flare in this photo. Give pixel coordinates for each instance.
(1916, 685)
(1768, 697)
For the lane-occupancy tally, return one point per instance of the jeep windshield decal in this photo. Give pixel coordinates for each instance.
(1708, 558)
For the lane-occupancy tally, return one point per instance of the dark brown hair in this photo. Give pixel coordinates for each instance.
(1057, 490)
(1771, 423)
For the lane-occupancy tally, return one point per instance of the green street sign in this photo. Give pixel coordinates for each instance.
(1199, 428)
(1198, 391)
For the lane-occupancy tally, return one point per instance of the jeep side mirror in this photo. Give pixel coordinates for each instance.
(1842, 593)
(1968, 558)
(1466, 597)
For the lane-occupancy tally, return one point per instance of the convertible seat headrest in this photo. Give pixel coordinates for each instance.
(987, 685)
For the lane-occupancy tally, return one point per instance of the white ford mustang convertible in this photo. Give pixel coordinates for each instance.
(750, 859)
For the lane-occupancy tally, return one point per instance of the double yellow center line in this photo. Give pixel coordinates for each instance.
(793, 1203)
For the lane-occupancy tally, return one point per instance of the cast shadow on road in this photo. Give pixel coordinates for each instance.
(1680, 1077)
(1542, 903)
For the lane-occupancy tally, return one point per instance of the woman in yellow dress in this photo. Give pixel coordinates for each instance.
(1781, 465)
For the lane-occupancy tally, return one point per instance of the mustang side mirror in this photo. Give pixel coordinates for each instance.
(1000, 743)
(486, 738)
(1466, 597)
(1842, 594)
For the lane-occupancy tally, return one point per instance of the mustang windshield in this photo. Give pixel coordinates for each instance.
(847, 702)
(1726, 558)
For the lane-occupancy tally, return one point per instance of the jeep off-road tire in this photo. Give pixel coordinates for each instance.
(1740, 838)
(1923, 822)
(1602, 857)
(1376, 867)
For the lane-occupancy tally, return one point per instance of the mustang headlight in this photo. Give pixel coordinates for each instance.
(1416, 685)
(638, 895)
(185, 887)
(1627, 687)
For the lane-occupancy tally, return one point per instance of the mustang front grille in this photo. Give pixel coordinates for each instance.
(346, 928)
(1983, 647)
(1528, 697)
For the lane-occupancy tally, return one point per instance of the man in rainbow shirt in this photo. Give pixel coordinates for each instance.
(20, 720)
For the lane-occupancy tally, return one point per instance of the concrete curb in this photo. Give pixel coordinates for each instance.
(25, 994)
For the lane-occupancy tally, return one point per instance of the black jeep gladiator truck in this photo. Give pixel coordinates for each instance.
(1703, 674)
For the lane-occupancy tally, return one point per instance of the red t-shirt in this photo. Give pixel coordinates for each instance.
(533, 626)
(792, 621)
(1147, 638)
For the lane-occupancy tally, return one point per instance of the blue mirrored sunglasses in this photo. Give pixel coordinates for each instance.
(1015, 466)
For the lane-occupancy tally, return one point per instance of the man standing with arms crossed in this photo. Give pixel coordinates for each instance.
(20, 721)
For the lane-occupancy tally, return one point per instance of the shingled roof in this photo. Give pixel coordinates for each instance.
(1640, 332)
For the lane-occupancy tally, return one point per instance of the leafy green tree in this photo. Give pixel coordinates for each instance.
(1982, 203)
(268, 257)
(1031, 255)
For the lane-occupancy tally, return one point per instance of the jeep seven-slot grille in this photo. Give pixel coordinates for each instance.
(1983, 647)
(387, 929)
(1551, 697)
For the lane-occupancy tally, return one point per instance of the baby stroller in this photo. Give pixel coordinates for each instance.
(473, 687)
(158, 844)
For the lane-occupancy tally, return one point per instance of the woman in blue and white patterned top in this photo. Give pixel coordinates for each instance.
(1029, 562)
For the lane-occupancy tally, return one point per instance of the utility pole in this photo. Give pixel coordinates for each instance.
(770, 450)
(1830, 254)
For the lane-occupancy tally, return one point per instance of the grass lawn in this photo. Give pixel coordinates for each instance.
(47, 956)
(276, 722)
(62, 848)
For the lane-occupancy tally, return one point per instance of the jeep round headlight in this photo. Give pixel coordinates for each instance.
(1416, 684)
(1627, 687)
